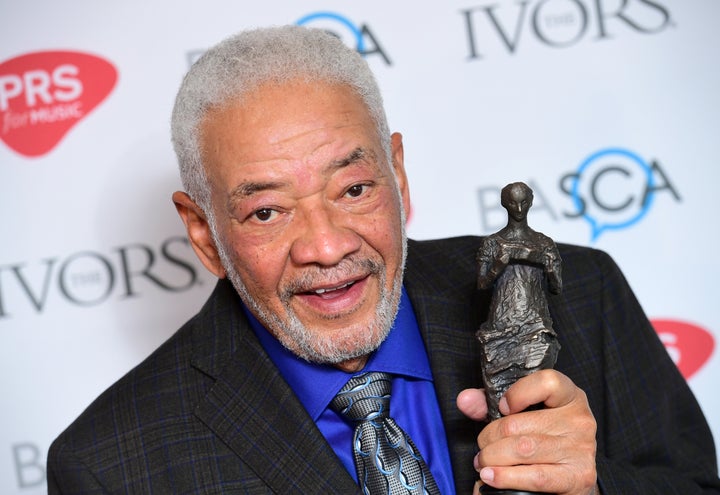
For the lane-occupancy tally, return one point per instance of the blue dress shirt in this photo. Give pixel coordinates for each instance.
(413, 403)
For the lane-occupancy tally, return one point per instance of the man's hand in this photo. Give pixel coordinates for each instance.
(549, 450)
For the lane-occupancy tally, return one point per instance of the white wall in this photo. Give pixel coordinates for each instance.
(94, 269)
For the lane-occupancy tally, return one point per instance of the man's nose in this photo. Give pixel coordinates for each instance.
(321, 238)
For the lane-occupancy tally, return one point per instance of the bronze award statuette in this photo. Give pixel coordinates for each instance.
(518, 264)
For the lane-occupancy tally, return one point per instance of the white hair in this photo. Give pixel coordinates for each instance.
(241, 63)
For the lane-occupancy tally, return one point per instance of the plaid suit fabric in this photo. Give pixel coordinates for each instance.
(207, 412)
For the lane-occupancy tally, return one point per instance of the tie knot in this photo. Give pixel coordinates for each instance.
(364, 397)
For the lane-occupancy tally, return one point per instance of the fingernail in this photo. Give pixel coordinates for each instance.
(476, 461)
(487, 474)
(503, 406)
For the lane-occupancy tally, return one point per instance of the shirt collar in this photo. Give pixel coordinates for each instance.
(402, 352)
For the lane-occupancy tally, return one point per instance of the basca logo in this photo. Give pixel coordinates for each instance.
(557, 23)
(689, 346)
(44, 94)
(612, 189)
(357, 36)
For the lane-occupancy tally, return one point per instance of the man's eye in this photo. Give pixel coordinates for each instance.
(265, 214)
(356, 190)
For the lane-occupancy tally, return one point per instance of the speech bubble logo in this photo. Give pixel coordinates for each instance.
(613, 188)
(330, 22)
(689, 345)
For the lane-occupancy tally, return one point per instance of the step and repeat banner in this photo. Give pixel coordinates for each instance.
(608, 109)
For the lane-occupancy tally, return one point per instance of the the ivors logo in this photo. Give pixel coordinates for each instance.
(690, 346)
(44, 94)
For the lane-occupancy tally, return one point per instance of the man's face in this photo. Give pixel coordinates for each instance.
(309, 216)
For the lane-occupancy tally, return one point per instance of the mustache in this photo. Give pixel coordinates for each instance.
(312, 277)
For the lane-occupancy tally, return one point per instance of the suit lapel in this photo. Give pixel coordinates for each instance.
(253, 411)
(449, 311)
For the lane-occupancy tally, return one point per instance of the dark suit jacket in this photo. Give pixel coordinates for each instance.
(209, 413)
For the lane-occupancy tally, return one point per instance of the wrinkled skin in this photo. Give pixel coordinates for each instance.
(549, 450)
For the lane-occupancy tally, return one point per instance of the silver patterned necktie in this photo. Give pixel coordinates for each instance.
(386, 460)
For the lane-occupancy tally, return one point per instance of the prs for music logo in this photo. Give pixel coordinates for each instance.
(44, 94)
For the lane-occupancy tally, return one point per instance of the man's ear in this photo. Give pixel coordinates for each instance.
(398, 163)
(198, 231)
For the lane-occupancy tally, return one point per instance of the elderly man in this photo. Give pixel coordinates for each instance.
(295, 193)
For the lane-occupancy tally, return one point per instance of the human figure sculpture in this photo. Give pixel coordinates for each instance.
(518, 263)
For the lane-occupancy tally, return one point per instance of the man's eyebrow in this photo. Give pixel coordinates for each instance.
(354, 156)
(247, 189)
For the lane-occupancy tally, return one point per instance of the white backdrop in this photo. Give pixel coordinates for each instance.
(609, 109)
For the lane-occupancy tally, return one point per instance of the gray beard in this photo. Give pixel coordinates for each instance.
(298, 338)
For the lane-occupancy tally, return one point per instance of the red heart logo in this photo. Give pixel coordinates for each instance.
(44, 94)
(690, 346)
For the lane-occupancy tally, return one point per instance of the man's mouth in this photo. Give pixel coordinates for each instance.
(337, 297)
(330, 290)
(339, 290)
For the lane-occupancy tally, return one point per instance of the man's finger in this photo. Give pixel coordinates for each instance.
(548, 387)
(472, 403)
(526, 449)
(561, 479)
